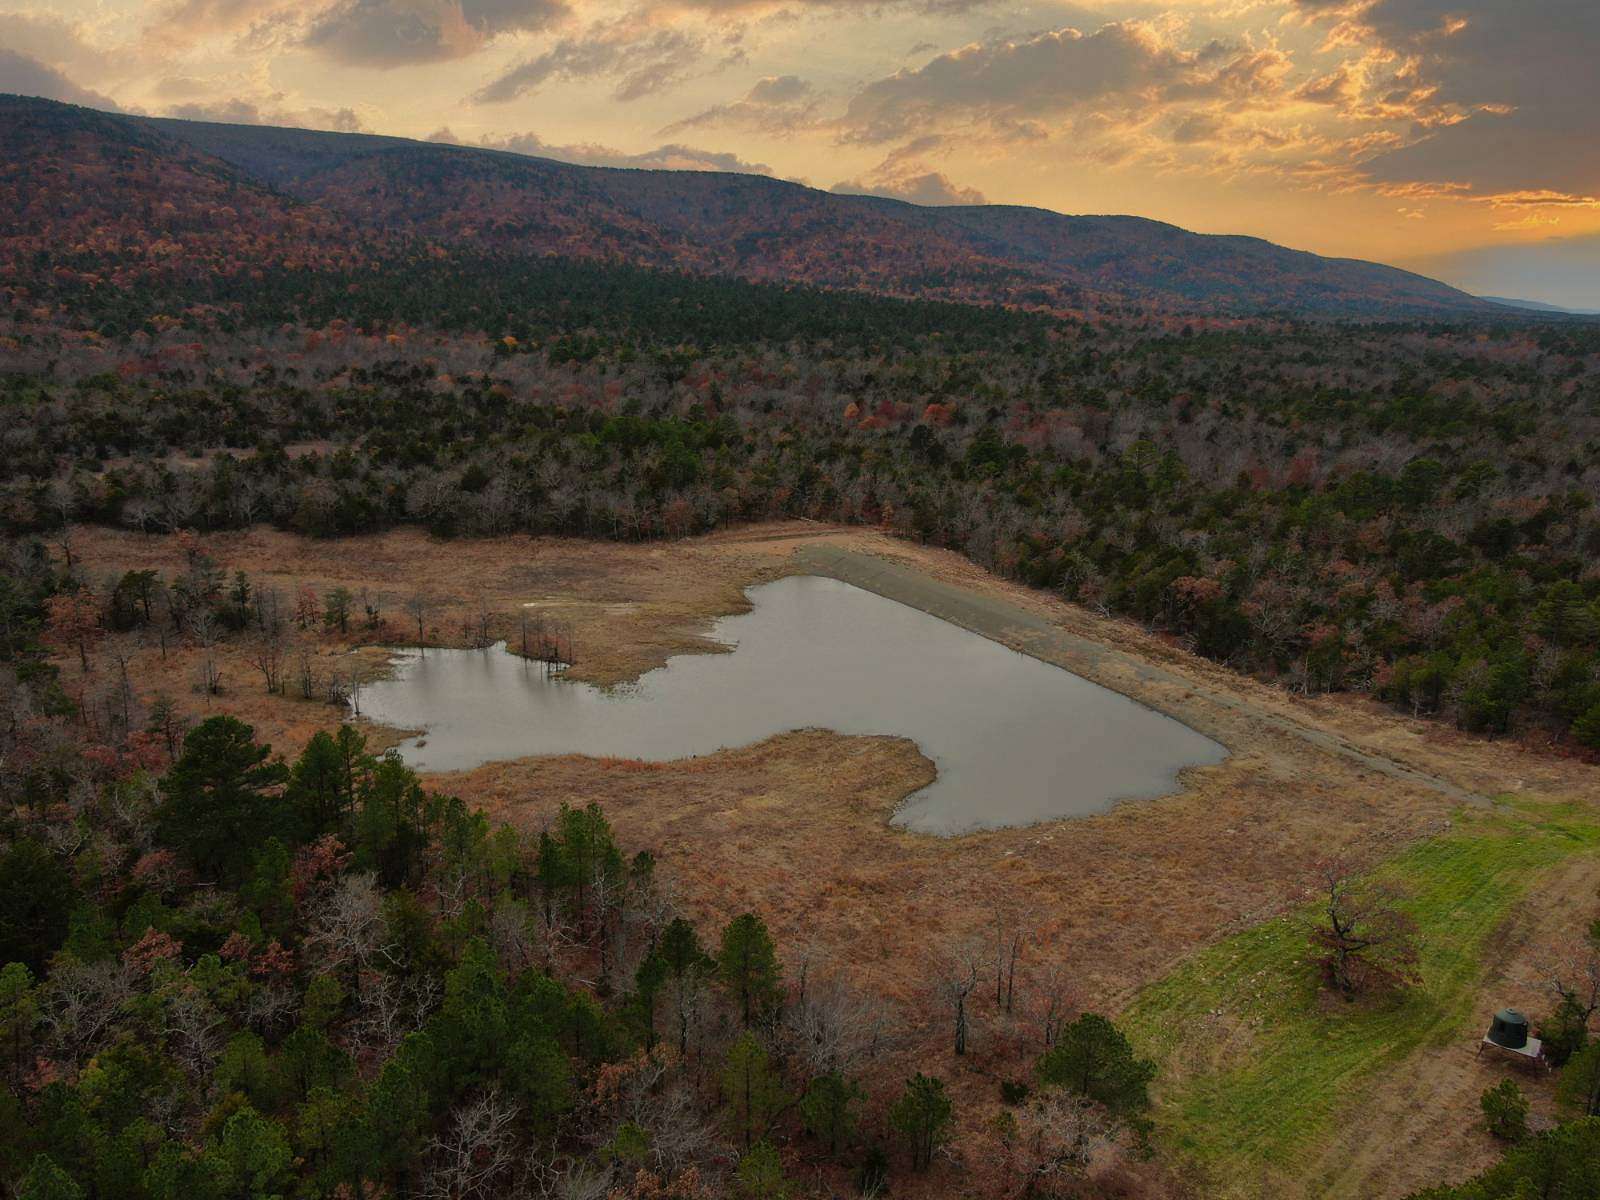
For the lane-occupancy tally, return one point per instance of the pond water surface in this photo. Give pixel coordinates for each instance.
(1015, 740)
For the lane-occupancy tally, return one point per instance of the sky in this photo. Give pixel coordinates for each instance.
(1460, 138)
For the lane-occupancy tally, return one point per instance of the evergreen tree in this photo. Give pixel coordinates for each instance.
(924, 1115)
(828, 1109)
(1092, 1058)
(751, 1090)
(759, 1175)
(747, 964)
(36, 898)
(220, 799)
(46, 1181)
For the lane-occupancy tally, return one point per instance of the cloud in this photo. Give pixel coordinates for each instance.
(394, 33)
(53, 41)
(777, 103)
(643, 60)
(238, 111)
(1504, 95)
(919, 187)
(904, 175)
(671, 157)
(28, 76)
(1337, 88)
(1197, 127)
(1017, 82)
(786, 9)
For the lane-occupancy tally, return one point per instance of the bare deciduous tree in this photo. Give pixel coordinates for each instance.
(832, 1027)
(475, 1155)
(418, 605)
(82, 1001)
(1054, 1140)
(345, 926)
(1011, 932)
(1049, 998)
(307, 676)
(201, 627)
(267, 655)
(956, 972)
(1366, 942)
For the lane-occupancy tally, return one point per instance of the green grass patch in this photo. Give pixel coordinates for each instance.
(1290, 1062)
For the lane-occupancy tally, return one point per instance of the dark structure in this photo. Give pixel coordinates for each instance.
(1508, 1034)
(1509, 1029)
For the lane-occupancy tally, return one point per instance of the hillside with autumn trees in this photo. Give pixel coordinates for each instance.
(225, 197)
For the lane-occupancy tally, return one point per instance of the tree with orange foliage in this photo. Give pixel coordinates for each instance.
(72, 622)
(307, 607)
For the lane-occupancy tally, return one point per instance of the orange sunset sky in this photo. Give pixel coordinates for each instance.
(1461, 139)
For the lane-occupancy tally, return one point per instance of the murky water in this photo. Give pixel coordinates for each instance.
(1015, 740)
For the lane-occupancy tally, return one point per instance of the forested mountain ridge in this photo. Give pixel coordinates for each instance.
(385, 190)
(93, 198)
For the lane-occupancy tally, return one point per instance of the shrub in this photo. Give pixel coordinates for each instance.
(1505, 1109)
(873, 1175)
(1564, 1032)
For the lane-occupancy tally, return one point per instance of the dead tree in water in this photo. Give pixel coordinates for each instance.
(545, 641)
(418, 605)
(475, 629)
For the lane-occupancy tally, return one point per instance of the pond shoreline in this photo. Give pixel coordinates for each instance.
(1015, 740)
(1132, 677)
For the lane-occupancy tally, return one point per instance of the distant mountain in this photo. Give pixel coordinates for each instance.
(313, 197)
(1541, 306)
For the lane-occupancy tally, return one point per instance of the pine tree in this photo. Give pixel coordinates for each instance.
(752, 1090)
(748, 967)
(923, 1113)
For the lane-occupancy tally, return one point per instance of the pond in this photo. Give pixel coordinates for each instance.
(1015, 740)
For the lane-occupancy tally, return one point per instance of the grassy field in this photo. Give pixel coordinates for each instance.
(1260, 1065)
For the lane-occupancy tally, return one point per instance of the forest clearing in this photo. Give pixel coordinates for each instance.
(1184, 913)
